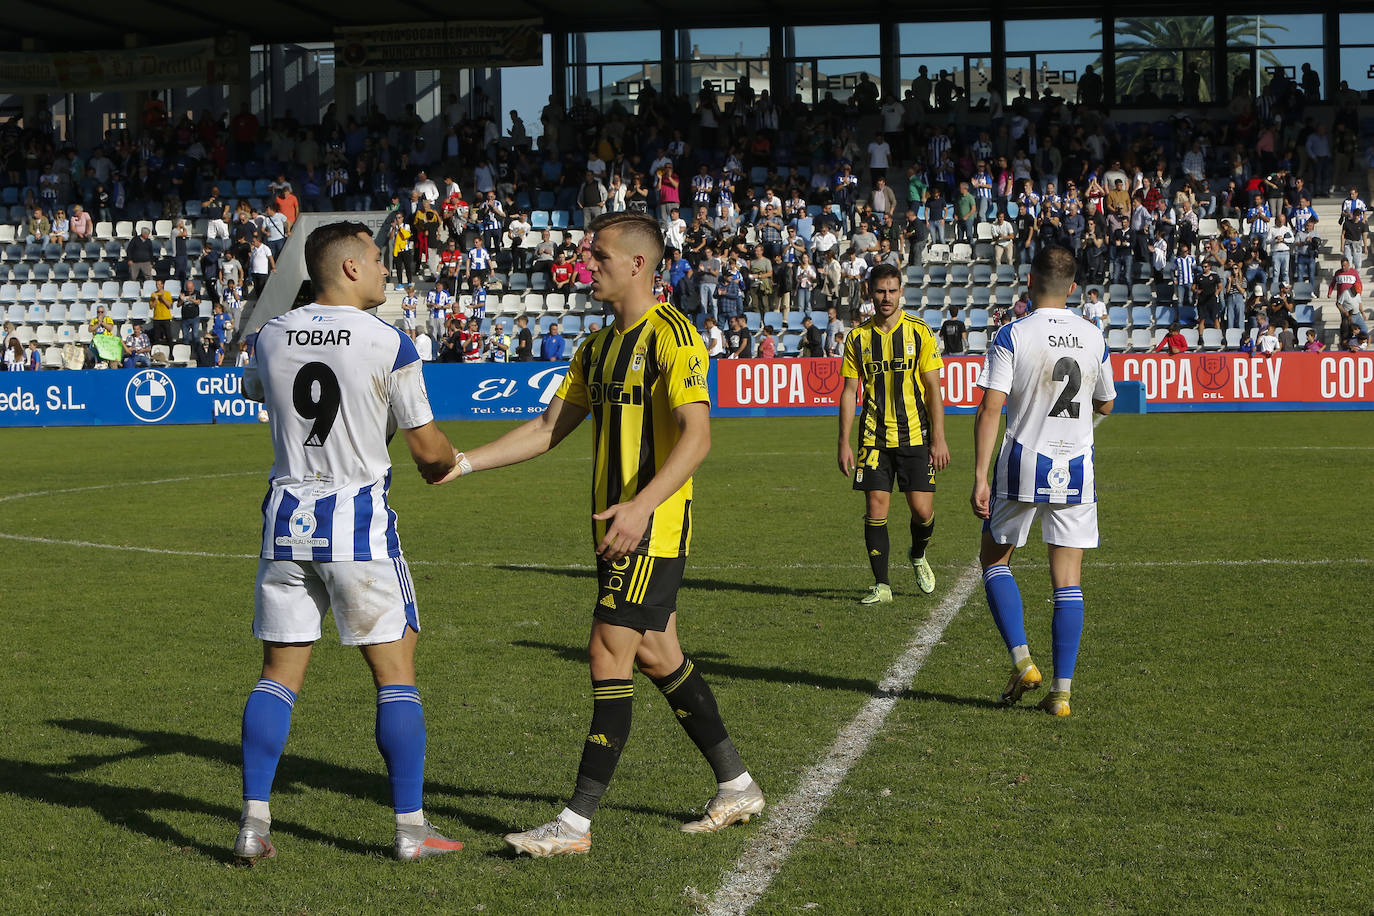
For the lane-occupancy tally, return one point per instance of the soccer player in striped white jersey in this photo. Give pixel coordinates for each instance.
(1051, 371)
(337, 383)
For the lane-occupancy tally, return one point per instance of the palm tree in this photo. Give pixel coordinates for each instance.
(1154, 51)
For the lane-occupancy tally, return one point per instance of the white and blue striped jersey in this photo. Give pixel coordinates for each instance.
(1183, 269)
(479, 259)
(1052, 365)
(337, 382)
(439, 302)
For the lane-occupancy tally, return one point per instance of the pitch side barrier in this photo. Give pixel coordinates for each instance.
(739, 388)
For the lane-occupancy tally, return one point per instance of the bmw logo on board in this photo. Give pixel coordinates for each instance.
(150, 395)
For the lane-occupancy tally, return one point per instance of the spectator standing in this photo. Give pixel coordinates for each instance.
(160, 302)
(954, 334)
(552, 345)
(139, 256)
(524, 340)
(261, 264)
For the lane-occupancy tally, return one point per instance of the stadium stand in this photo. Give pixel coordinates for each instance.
(1125, 196)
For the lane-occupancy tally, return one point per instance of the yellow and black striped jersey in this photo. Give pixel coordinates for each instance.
(631, 382)
(890, 367)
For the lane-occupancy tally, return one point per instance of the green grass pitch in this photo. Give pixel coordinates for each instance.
(1217, 760)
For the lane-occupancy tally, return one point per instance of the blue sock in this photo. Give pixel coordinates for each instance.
(1004, 600)
(401, 739)
(1066, 629)
(266, 722)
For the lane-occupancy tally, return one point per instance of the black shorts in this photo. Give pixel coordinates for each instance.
(638, 592)
(908, 466)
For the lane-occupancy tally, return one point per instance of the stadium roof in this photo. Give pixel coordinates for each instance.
(76, 24)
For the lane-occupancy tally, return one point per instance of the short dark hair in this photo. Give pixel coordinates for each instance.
(323, 246)
(1053, 272)
(884, 271)
(642, 226)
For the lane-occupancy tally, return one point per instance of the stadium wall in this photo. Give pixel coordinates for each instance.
(739, 388)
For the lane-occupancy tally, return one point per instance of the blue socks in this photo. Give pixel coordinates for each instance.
(1004, 600)
(266, 722)
(401, 739)
(1066, 630)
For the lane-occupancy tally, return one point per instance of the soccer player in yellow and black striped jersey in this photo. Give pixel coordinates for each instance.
(643, 381)
(902, 431)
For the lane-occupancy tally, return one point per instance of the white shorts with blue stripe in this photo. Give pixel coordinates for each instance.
(373, 600)
(1073, 525)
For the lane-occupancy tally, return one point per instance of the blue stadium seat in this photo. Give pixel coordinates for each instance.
(935, 297)
(981, 297)
(560, 220)
(978, 319)
(1165, 315)
(1140, 316)
(539, 220)
(932, 317)
(1117, 317)
(958, 297)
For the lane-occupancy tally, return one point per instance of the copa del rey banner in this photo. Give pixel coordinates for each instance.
(1193, 381)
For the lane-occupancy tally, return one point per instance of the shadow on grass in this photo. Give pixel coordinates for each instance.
(716, 585)
(130, 807)
(951, 699)
(135, 808)
(717, 665)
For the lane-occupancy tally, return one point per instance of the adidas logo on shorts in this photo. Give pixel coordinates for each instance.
(608, 600)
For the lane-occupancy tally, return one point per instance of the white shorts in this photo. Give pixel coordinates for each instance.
(1060, 525)
(373, 600)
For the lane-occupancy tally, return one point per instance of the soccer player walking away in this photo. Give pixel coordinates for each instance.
(337, 382)
(902, 432)
(1051, 371)
(643, 379)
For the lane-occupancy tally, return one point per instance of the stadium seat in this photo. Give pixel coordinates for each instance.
(559, 219)
(935, 297)
(104, 230)
(932, 317)
(81, 272)
(555, 302)
(982, 275)
(139, 311)
(1165, 315)
(578, 302)
(1140, 340)
(40, 273)
(1117, 317)
(1117, 341)
(1141, 294)
(1141, 316)
(937, 254)
(1233, 338)
(959, 275)
(958, 297)
(101, 270)
(77, 312)
(571, 324)
(981, 297)
(510, 304)
(977, 341)
(539, 281)
(1006, 275)
(1004, 296)
(915, 275)
(52, 251)
(57, 312)
(67, 334)
(518, 282)
(1190, 335)
(789, 344)
(1304, 313)
(48, 292)
(28, 292)
(7, 235)
(979, 319)
(936, 274)
(119, 311)
(161, 354)
(960, 253)
(45, 334)
(1212, 339)
(52, 357)
(1303, 292)
(181, 355)
(124, 230)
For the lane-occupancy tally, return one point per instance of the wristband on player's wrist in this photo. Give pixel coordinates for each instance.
(464, 465)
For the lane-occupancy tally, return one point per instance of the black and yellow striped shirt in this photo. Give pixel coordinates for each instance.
(631, 382)
(890, 367)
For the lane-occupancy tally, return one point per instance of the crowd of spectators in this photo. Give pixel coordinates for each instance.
(772, 209)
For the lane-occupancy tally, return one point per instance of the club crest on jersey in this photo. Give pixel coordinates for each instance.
(637, 363)
(911, 348)
(302, 527)
(1058, 478)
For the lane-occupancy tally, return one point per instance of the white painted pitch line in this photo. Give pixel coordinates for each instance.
(792, 818)
(716, 567)
(125, 483)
